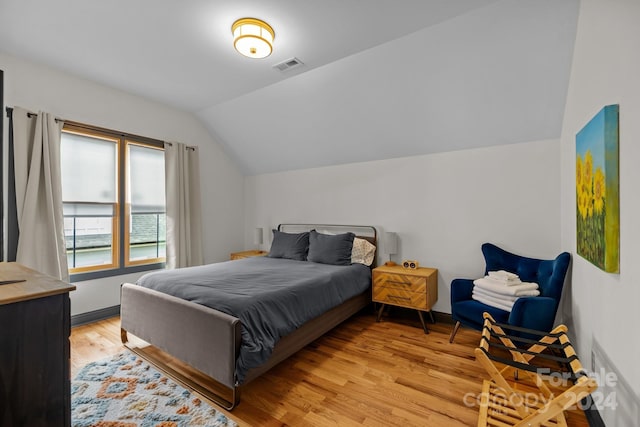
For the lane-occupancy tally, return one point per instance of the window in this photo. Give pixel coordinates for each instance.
(145, 241)
(114, 203)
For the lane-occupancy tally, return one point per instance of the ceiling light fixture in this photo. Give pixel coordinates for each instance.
(252, 37)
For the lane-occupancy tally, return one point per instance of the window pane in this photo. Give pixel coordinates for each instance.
(147, 236)
(146, 183)
(87, 159)
(89, 241)
(147, 226)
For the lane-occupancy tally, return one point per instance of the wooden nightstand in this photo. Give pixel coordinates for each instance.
(247, 254)
(416, 289)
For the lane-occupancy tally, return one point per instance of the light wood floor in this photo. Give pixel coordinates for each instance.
(361, 373)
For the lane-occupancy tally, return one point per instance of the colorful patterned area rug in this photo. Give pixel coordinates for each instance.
(125, 391)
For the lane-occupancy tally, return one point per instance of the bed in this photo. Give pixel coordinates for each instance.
(233, 321)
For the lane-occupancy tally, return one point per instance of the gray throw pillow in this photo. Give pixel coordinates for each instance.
(289, 245)
(330, 249)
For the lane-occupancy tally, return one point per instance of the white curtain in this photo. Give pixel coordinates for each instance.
(184, 224)
(41, 243)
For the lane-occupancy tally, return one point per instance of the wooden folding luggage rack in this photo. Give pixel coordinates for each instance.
(539, 402)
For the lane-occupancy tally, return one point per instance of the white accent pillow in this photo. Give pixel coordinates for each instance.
(363, 252)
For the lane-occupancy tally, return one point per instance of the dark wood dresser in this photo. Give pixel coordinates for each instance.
(35, 387)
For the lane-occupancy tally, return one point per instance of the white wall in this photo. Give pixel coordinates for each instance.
(605, 70)
(36, 87)
(443, 206)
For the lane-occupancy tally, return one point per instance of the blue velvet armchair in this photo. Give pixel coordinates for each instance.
(528, 312)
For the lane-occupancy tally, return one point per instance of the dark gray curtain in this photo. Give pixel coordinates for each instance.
(1, 167)
(11, 212)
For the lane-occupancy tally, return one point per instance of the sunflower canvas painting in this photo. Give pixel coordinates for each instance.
(597, 190)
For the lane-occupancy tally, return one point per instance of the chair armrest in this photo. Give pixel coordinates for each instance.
(537, 313)
(461, 290)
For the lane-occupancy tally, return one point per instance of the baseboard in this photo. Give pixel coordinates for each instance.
(443, 317)
(94, 316)
(105, 313)
(591, 412)
(410, 313)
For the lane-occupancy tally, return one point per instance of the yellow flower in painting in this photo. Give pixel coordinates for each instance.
(585, 189)
(580, 188)
(578, 173)
(598, 190)
(582, 204)
(587, 169)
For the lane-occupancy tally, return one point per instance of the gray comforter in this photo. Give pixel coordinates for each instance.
(272, 297)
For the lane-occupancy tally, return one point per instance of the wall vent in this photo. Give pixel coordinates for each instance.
(289, 64)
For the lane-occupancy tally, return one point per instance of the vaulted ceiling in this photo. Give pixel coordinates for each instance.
(381, 78)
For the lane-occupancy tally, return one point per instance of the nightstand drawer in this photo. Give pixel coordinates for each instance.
(400, 297)
(401, 282)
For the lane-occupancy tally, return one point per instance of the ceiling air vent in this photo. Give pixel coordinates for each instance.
(289, 64)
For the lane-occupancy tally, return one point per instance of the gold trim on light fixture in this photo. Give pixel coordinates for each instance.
(252, 37)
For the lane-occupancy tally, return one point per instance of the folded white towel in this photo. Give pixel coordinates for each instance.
(490, 294)
(492, 302)
(496, 299)
(501, 282)
(503, 275)
(522, 289)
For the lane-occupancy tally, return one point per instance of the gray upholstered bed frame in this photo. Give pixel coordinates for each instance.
(209, 340)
